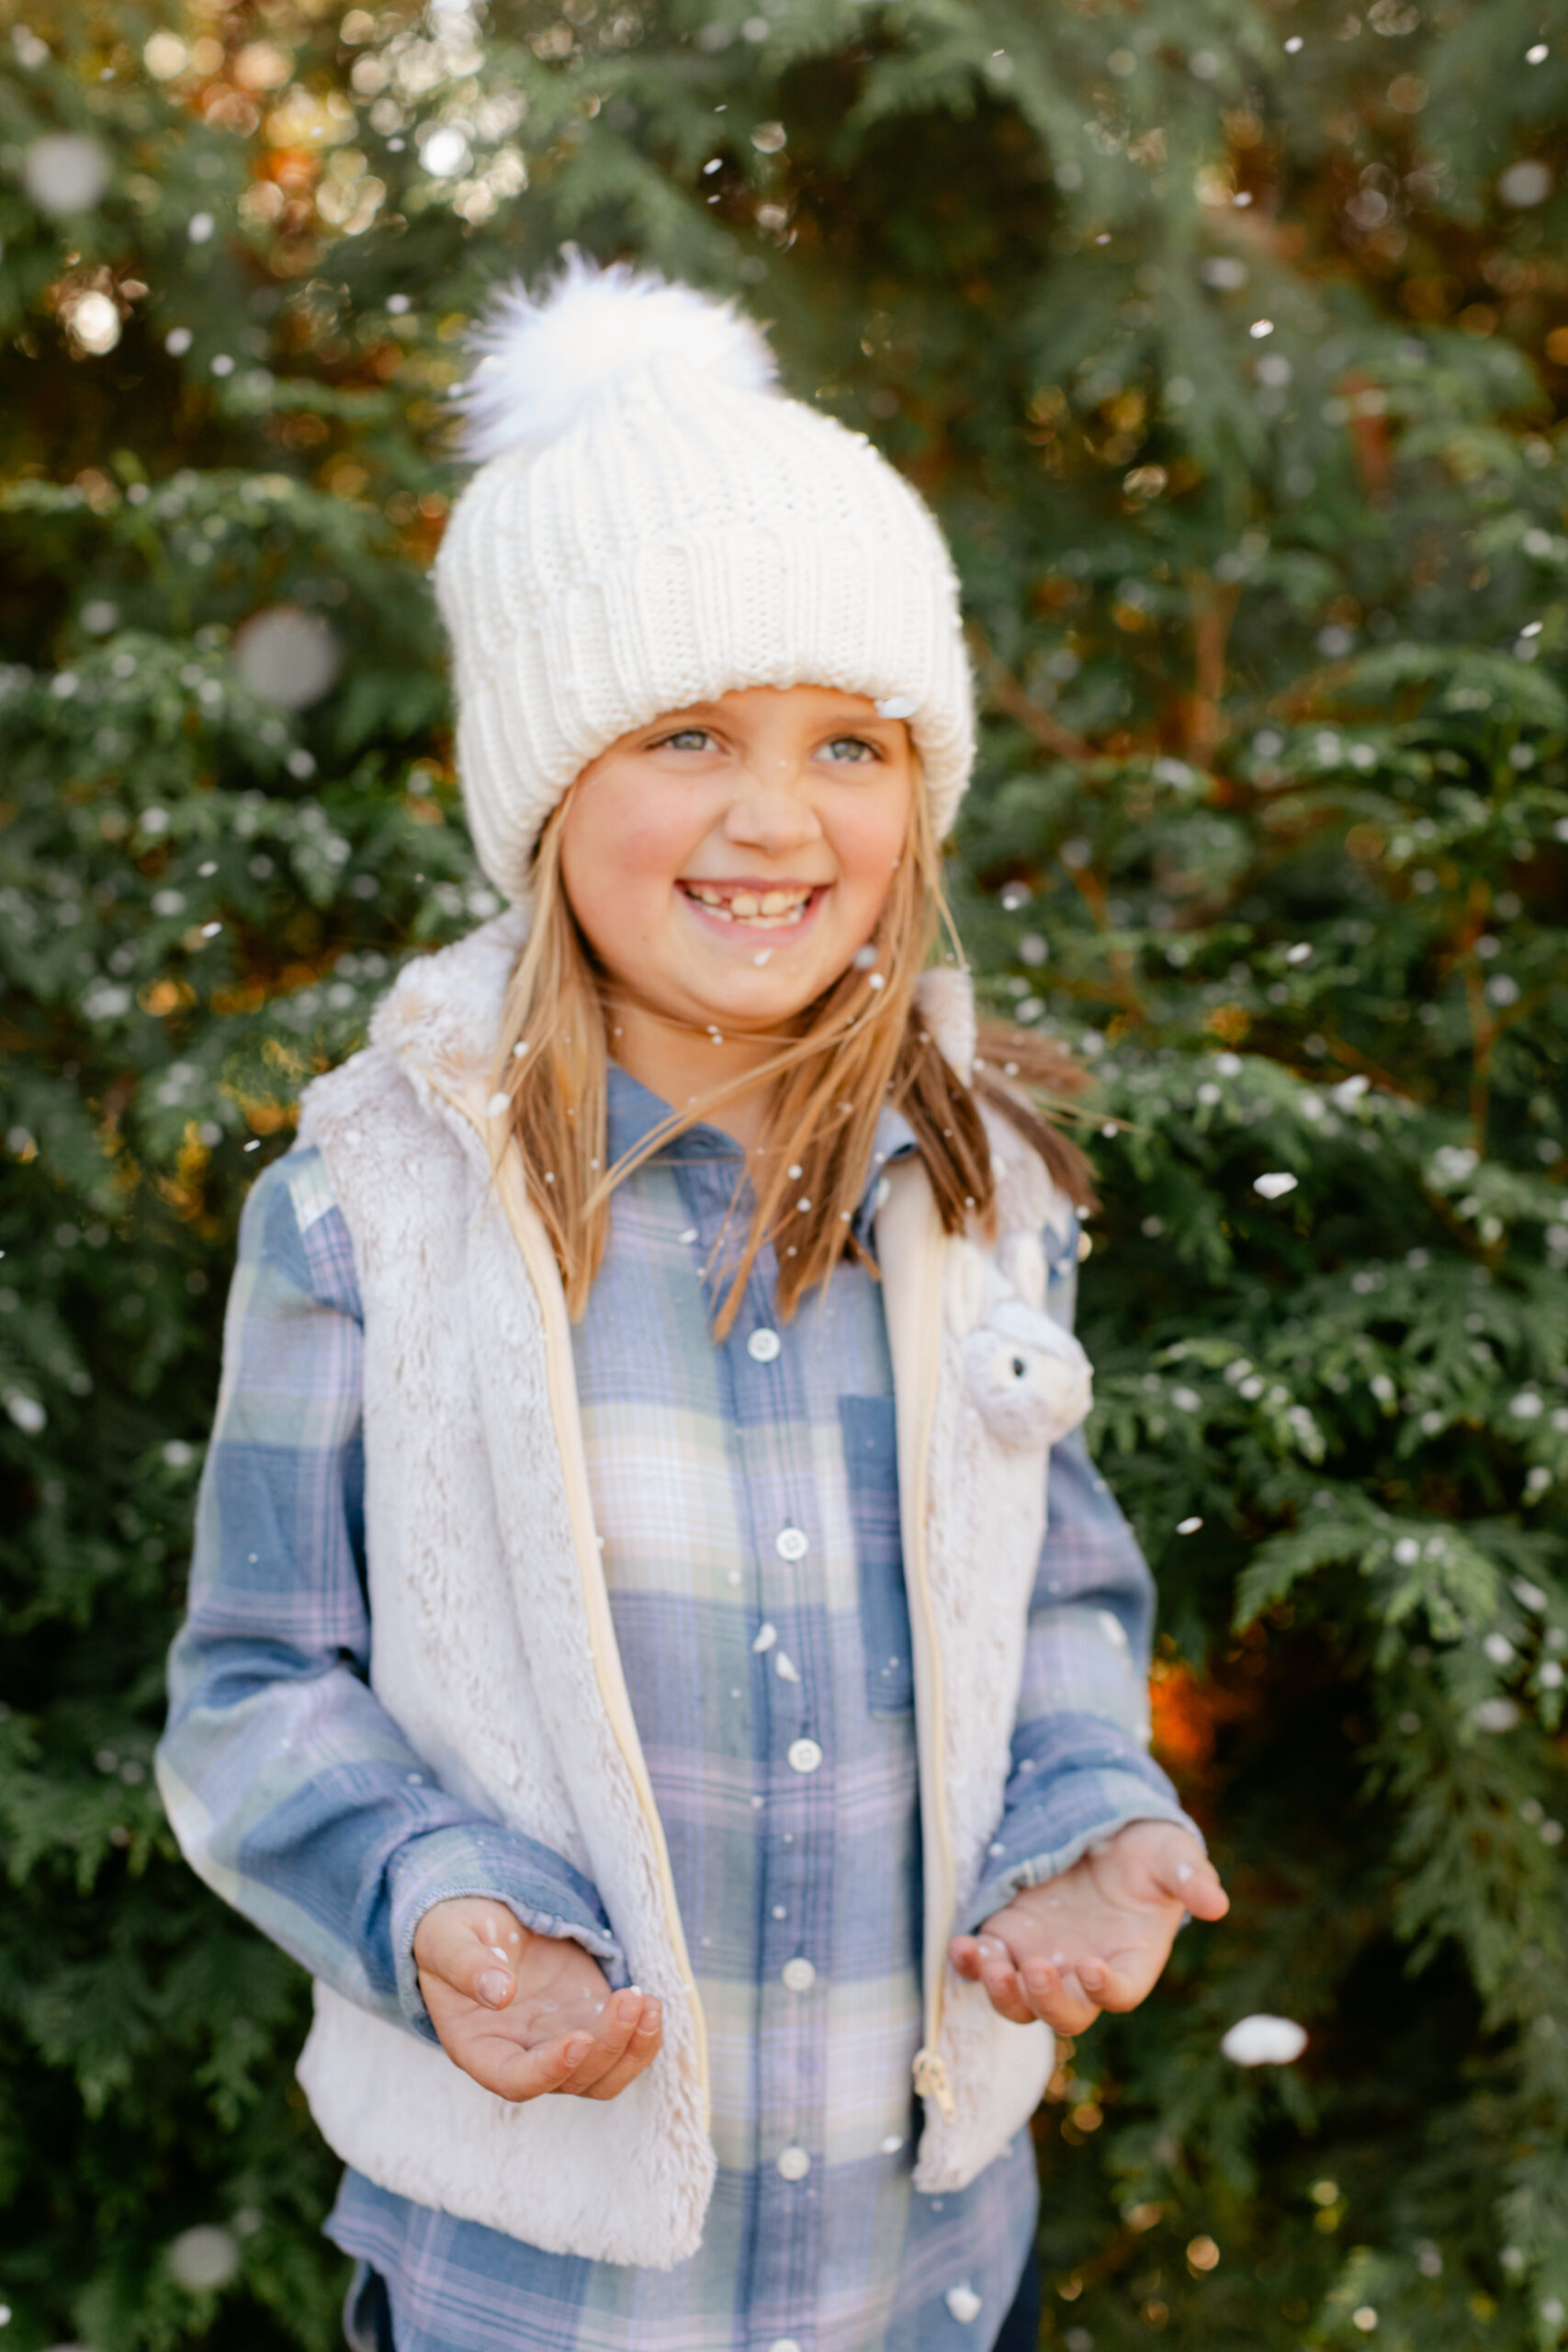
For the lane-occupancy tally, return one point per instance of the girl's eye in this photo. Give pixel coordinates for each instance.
(685, 739)
(853, 749)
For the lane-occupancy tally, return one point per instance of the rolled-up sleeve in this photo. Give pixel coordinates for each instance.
(291, 1790)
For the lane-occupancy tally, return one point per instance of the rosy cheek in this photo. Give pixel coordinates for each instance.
(641, 831)
(867, 843)
(622, 853)
(650, 850)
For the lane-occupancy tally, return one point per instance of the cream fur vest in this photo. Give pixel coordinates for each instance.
(495, 1651)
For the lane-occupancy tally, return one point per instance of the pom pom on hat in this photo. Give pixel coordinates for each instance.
(544, 361)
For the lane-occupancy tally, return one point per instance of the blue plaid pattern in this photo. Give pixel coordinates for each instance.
(325, 1827)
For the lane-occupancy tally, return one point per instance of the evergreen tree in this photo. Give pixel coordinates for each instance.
(1229, 340)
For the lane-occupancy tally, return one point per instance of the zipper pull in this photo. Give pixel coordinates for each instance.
(930, 2082)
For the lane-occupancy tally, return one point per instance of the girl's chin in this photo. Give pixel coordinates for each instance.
(733, 996)
(741, 1010)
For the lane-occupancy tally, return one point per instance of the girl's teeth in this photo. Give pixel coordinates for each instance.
(770, 911)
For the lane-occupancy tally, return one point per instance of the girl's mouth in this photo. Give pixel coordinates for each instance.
(752, 906)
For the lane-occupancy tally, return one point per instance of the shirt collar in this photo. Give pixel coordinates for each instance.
(632, 1111)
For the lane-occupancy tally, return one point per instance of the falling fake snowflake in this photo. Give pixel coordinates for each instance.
(203, 2258)
(1264, 2040)
(288, 657)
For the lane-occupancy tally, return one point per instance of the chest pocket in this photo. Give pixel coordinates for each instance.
(871, 1464)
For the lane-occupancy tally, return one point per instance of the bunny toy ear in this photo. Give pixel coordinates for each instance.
(541, 361)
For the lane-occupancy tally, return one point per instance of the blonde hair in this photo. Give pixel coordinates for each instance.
(861, 1046)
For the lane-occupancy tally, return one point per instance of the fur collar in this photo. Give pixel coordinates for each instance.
(441, 1013)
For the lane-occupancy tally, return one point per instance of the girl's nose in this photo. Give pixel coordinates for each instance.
(771, 810)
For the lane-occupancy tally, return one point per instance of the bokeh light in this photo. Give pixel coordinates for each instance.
(65, 172)
(288, 657)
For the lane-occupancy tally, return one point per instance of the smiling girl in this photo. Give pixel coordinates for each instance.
(659, 1651)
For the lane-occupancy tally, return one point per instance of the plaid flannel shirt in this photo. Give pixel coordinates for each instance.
(803, 1916)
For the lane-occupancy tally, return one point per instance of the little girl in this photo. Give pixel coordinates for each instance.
(630, 1662)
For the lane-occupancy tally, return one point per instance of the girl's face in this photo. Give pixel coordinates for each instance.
(727, 862)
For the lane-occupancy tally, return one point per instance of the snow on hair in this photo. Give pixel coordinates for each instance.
(542, 360)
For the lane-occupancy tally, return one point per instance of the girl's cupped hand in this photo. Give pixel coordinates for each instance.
(1097, 1937)
(525, 2014)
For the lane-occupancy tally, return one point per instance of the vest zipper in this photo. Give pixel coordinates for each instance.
(539, 1264)
(922, 1324)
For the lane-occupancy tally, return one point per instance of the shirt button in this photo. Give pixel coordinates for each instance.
(783, 2344)
(793, 2163)
(763, 1345)
(803, 1755)
(792, 1544)
(798, 1975)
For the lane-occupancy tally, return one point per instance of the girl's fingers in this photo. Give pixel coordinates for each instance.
(1072, 2011)
(607, 2045)
(577, 2065)
(639, 2053)
(518, 2074)
(1057, 1996)
(1110, 1988)
(1042, 1989)
(999, 1978)
(1189, 1878)
(458, 1953)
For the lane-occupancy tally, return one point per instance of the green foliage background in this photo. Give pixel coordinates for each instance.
(1230, 340)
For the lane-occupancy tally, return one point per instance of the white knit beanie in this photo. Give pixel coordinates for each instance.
(653, 524)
